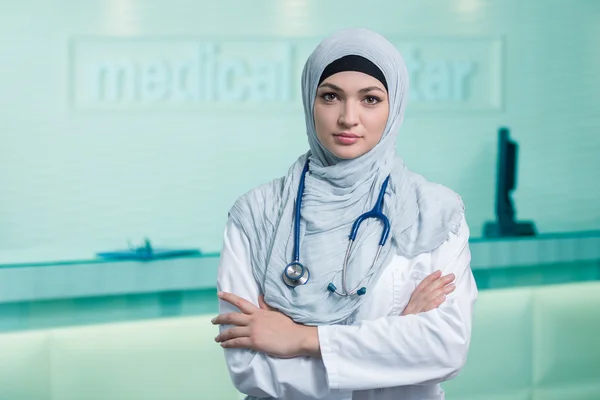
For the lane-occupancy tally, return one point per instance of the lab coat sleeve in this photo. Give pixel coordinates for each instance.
(253, 373)
(429, 347)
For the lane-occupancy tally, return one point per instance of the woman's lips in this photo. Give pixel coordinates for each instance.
(346, 138)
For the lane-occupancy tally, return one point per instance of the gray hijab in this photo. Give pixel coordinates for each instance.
(421, 214)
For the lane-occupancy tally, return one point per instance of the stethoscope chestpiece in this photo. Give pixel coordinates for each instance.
(295, 274)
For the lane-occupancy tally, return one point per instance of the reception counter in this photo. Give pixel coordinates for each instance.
(38, 293)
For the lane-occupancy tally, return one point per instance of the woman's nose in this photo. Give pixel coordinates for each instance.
(349, 115)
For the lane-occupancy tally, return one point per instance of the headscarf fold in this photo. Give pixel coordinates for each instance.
(422, 214)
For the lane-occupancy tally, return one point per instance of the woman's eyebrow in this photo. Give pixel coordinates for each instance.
(332, 86)
(368, 89)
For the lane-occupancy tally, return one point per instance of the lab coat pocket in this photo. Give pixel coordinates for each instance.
(404, 286)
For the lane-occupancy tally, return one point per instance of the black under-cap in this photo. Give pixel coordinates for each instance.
(356, 63)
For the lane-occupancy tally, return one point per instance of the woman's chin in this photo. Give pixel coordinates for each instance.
(347, 152)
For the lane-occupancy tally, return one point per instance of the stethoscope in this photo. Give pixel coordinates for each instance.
(296, 274)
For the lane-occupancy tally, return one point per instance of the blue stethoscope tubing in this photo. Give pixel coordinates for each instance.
(296, 274)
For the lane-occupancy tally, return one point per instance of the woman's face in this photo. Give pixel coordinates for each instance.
(351, 111)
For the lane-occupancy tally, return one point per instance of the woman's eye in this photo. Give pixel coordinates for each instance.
(372, 100)
(329, 96)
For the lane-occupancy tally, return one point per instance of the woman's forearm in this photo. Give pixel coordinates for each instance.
(310, 342)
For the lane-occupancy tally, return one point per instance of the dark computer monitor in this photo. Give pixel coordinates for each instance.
(506, 176)
(505, 224)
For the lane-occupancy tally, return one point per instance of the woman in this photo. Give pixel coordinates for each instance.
(396, 322)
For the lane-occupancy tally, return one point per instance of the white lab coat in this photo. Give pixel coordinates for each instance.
(377, 354)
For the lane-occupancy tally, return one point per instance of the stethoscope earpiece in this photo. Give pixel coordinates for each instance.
(333, 289)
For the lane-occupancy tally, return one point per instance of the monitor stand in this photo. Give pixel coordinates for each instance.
(510, 229)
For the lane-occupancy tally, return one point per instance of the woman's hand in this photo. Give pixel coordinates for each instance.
(430, 293)
(265, 329)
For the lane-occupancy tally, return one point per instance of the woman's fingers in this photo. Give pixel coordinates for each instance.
(438, 297)
(440, 292)
(449, 289)
(238, 319)
(238, 343)
(448, 279)
(429, 279)
(430, 296)
(434, 281)
(242, 304)
(439, 283)
(233, 333)
(434, 303)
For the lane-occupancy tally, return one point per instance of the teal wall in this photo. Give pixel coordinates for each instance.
(110, 131)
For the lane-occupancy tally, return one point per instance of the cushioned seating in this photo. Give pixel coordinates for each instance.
(566, 344)
(500, 361)
(164, 359)
(159, 359)
(25, 372)
(528, 343)
(537, 343)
